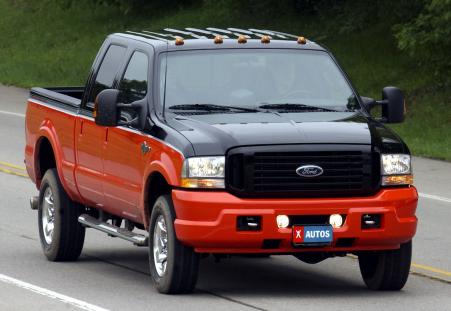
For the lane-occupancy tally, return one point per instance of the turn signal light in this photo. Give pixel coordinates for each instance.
(397, 180)
(202, 183)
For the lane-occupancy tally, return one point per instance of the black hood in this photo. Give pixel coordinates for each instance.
(215, 134)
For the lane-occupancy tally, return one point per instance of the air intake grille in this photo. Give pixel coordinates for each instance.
(347, 171)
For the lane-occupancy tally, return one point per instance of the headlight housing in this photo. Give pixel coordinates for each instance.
(204, 172)
(396, 169)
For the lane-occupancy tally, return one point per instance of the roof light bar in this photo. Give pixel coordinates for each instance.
(185, 33)
(146, 35)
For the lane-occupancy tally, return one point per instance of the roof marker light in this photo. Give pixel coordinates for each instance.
(179, 41)
(302, 40)
(266, 39)
(218, 39)
(242, 39)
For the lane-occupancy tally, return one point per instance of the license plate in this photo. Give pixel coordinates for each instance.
(312, 234)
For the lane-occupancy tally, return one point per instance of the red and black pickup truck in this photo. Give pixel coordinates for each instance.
(222, 141)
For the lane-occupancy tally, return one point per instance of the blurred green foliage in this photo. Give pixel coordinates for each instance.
(404, 43)
(427, 38)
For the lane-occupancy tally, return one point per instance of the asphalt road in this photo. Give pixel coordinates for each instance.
(113, 275)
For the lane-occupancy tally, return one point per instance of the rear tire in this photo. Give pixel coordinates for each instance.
(386, 270)
(176, 271)
(62, 237)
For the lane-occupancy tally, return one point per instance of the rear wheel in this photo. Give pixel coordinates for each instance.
(61, 235)
(173, 266)
(386, 270)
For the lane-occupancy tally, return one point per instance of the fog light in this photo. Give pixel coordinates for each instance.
(336, 220)
(282, 221)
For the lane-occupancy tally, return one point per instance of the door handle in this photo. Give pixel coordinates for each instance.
(145, 148)
(81, 127)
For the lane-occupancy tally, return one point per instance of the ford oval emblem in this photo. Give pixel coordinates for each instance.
(309, 171)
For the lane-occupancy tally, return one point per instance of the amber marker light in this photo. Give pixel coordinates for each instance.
(302, 40)
(218, 39)
(397, 180)
(202, 183)
(266, 39)
(94, 111)
(242, 39)
(179, 41)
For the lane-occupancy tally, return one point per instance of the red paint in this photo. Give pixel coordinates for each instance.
(98, 166)
(105, 167)
(207, 220)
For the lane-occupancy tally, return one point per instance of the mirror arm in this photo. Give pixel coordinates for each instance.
(150, 122)
(381, 102)
(381, 119)
(133, 105)
(128, 123)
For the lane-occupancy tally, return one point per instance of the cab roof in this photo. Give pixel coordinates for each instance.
(214, 38)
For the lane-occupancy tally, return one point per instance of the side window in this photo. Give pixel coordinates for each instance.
(134, 83)
(107, 72)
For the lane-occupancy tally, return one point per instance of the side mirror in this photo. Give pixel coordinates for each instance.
(392, 103)
(105, 108)
(393, 108)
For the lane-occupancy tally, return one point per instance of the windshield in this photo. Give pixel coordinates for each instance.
(285, 80)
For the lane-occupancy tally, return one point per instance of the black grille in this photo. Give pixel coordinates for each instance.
(270, 171)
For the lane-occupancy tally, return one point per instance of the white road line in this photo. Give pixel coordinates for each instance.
(51, 294)
(16, 114)
(435, 197)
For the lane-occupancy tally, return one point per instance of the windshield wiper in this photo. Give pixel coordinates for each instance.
(211, 107)
(291, 107)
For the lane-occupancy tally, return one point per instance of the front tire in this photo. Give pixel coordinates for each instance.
(386, 270)
(173, 266)
(62, 237)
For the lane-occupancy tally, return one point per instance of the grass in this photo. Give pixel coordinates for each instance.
(51, 45)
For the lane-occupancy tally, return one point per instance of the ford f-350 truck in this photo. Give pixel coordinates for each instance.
(224, 142)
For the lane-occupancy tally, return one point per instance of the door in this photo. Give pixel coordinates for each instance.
(125, 151)
(90, 137)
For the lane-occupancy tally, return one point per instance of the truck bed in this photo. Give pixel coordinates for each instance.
(58, 108)
(62, 97)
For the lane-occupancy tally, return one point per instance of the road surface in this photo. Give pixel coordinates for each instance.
(113, 275)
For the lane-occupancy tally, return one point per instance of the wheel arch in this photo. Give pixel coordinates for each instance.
(47, 155)
(156, 184)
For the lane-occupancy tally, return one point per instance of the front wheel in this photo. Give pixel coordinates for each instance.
(386, 270)
(173, 266)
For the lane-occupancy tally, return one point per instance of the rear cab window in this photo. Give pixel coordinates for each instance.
(134, 83)
(107, 72)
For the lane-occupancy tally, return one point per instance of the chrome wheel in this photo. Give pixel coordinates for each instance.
(160, 245)
(48, 215)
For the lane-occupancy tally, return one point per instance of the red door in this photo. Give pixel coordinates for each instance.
(89, 170)
(124, 156)
(90, 138)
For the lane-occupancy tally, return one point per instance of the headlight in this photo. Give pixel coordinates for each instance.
(396, 169)
(203, 172)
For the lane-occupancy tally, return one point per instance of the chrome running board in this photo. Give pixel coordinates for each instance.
(135, 238)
